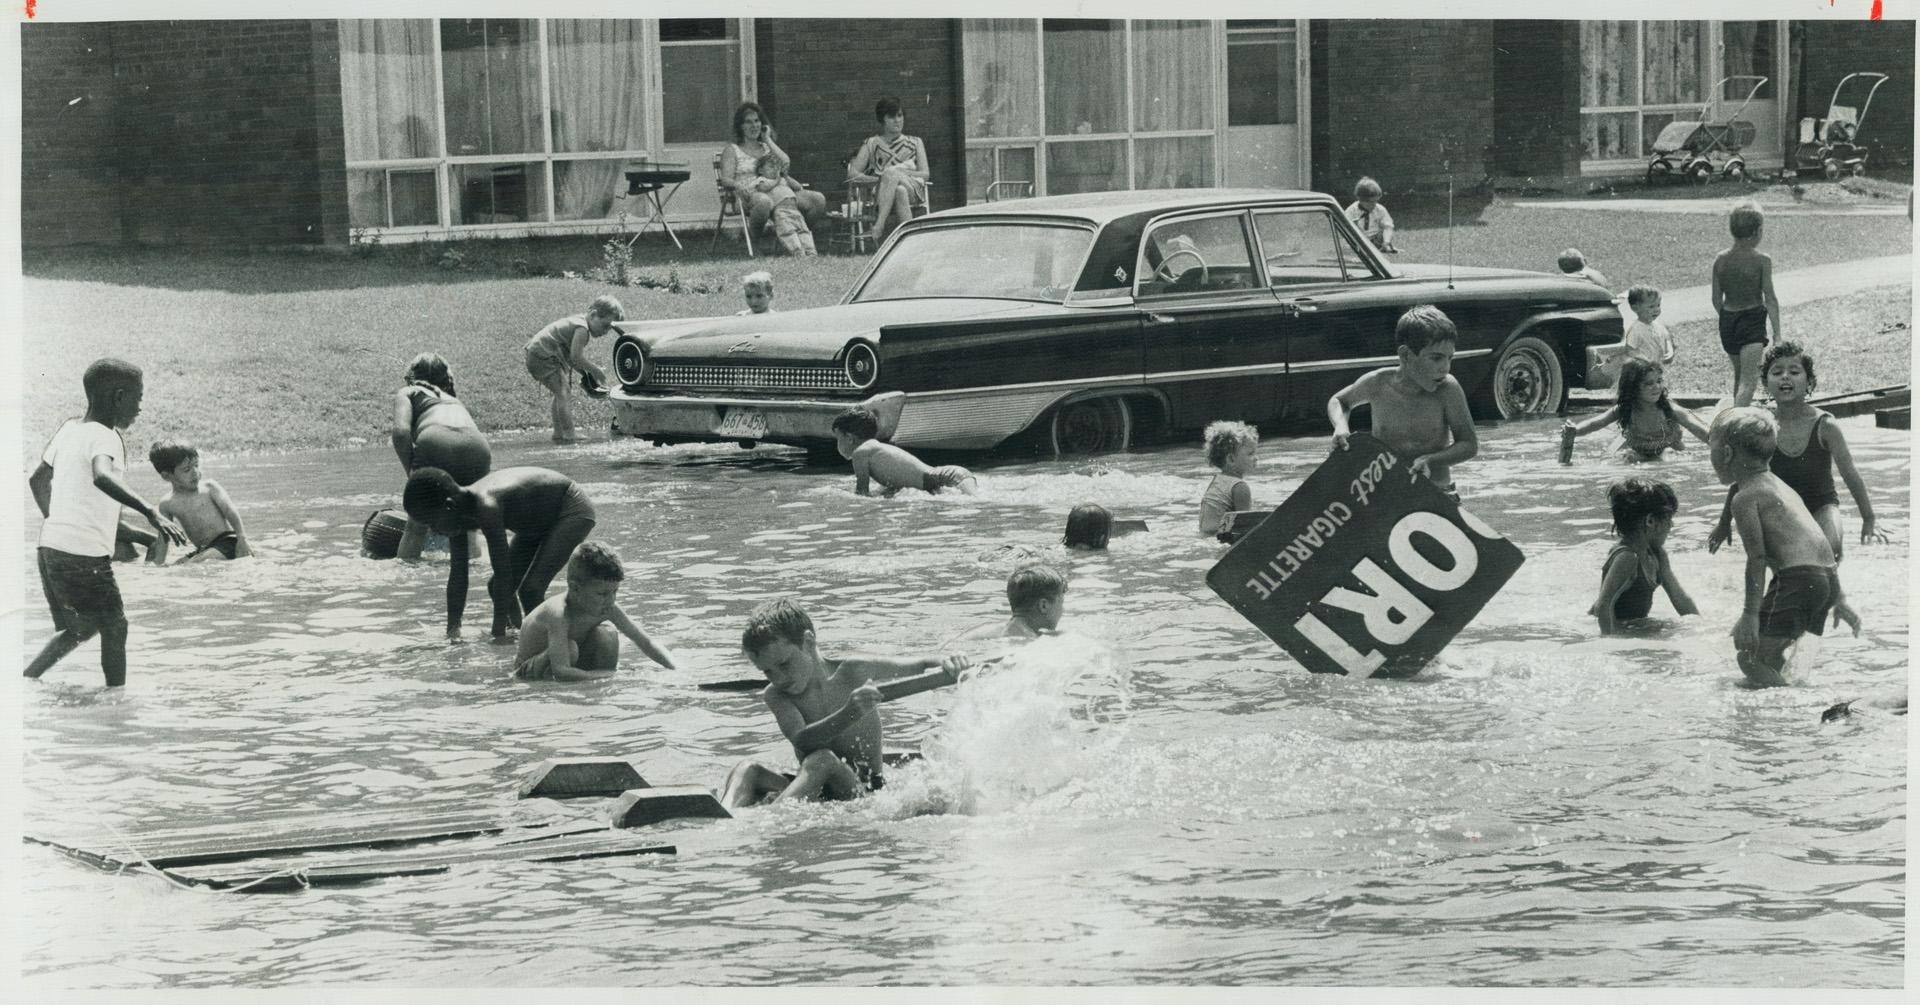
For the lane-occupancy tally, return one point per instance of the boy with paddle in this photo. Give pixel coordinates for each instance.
(825, 707)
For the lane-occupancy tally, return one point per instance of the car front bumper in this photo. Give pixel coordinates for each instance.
(681, 418)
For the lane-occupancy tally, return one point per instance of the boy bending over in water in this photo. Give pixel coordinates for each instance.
(856, 434)
(1036, 594)
(1419, 410)
(200, 507)
(825, 707)
(572, 636)
(1779, 534)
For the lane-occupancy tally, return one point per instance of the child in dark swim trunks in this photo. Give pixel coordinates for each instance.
(545, 511)
(200, 506)
(575, 636)
(1822, 447)
(1649, 423)
(1642, 517)
(1743, 297)
(825, 707)
(1779, 534)
(856, 433)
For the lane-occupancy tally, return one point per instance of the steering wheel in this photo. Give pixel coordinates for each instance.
(1165, 272)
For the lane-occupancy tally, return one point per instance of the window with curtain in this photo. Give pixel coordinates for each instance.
(387, 90)
(596, 76)
(1086, 74)
(491, 72)
(1001, 65)
(699, 78)
(1746, 49)
(1168, 92)
(1672, 62)
(1633, 74)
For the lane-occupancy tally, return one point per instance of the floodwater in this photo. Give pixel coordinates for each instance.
(1161, 797)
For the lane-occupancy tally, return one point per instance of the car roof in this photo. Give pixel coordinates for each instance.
(1104, 207)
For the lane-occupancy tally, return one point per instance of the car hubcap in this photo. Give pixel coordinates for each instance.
(1090, 427)
(1523, 384)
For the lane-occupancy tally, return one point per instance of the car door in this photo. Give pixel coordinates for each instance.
(1209, 325)
(1340, 309)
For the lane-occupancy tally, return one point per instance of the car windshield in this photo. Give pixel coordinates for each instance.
(1009, 261)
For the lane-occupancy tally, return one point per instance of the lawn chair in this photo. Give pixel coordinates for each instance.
(729, 207)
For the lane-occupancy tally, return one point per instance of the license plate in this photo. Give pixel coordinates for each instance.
(746, 423)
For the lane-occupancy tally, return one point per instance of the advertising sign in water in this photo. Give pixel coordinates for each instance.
(1365, 569)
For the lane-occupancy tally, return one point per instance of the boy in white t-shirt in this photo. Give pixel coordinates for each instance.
(1646, 337)
(80, 487)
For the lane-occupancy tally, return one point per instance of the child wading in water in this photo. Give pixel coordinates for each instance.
(1036, 597)
(856, 433)
(1809, 447)
(573, 636)
(200, 506)
(1743, 297)
(1234, 448)
(1642, 517)
(1649, 423)
(1779, 534)
(1419, 410)
(560, 349)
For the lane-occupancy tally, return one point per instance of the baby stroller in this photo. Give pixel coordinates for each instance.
(1831, 145)
(1701, 149)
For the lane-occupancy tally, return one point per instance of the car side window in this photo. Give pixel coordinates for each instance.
(1197, 254)
(1307, 246)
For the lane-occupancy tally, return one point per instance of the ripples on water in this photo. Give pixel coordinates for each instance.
(1159, 796)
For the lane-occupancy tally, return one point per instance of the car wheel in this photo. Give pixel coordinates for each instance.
(1527, 379)
(1092, 426)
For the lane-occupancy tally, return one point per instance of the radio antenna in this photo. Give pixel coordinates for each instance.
(1449, 228)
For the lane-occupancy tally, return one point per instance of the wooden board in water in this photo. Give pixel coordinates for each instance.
(361, 867)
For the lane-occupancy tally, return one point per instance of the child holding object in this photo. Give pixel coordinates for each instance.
(199, 506)
(1642, 517)
(1649, 423)
(1743, 297)
(856, 433)
(1234, 448)
(826, 708)
(1819, 447)
(545, 511)
(576, 636)
(560, 349)
(1419, 409)
(80, 486)
(1779, 535)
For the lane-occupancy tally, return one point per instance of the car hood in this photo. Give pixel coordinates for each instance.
(817, 333)
(1537, 282)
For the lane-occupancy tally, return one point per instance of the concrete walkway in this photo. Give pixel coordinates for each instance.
(1718, 207)
(1795, 286)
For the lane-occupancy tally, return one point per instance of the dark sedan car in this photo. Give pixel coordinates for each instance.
(1088, 321)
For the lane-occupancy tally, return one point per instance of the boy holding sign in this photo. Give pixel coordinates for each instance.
(1419, 409)
(825, 707)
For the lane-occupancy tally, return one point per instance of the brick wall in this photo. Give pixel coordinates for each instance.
(213, 132)
(1829, 50)
(1398, 100)
(819, 78)
(69, 187)
(1536, 98)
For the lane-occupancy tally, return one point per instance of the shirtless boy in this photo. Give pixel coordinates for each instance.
(544, 510)
(1419, 410)
(1779, 534)
(572, 636)
(1036, 594)
(856, 434)
(200, 506)
(825, 707)
(1743, 297)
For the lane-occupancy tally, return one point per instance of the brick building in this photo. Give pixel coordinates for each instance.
(297, 131)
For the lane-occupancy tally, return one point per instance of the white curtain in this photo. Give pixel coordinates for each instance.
(387, 90)
(1173, 162)
(1606, 64)
(492, 74)
(1672, 62)
(1001, 58)
(597, 75)
(1086, 76)
(1172, 75)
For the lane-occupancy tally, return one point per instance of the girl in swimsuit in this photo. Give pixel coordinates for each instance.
(1642, 516)
(1649, 424)
(1810, 446)
(433, 429)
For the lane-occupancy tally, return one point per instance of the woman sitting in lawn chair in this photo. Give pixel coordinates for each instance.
(895, 164)
(754, 168)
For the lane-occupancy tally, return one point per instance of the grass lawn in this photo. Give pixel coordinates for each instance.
(271, 350)
(1859, 342)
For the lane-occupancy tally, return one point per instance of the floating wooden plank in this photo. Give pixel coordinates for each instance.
(580, 777)
(1894, 418)
(1852, 403)
(642, 807)
(293, 874)
(736, 686)
(286, 834)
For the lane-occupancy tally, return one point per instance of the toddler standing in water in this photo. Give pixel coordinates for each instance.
(1820, 448)
(1648, 421)
(1642, 517)
(1234, 448)
(560, 349)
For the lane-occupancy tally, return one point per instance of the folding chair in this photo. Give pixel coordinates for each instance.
(729, 206)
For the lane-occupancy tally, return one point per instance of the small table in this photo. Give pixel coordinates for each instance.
(649, 180)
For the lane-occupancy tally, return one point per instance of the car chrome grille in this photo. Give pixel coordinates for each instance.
(818, 377)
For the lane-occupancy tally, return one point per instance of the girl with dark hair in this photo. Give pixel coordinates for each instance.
(1649, 424)
(433, 429)
(755, 168)
(896, 163)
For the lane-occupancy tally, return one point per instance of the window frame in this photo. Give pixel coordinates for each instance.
(1249, 243)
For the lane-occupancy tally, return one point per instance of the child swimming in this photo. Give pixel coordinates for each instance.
(1649, 423)
(1088, 527)
(856, 434)
(1642, 517)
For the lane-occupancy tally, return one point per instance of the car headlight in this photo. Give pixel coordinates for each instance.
(629, 363)
(863, 365)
